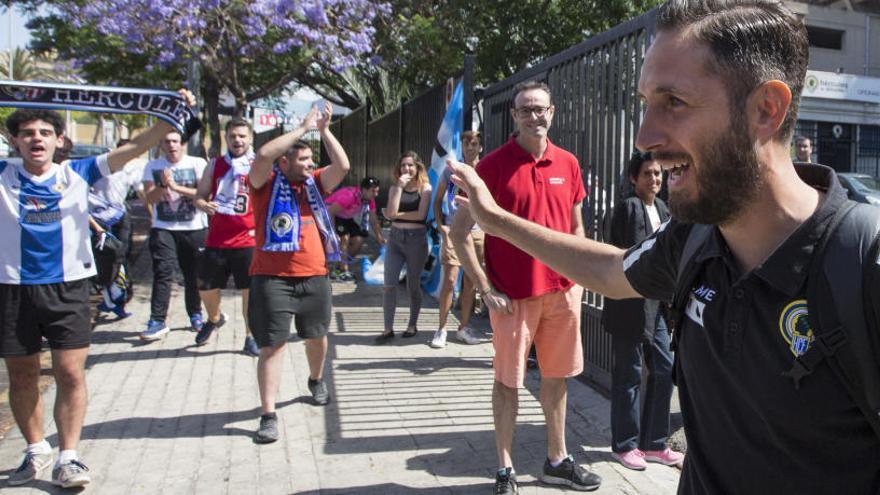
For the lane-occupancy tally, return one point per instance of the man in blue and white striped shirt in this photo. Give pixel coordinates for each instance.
(45, 263)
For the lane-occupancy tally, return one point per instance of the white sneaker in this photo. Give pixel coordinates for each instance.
(466, 335)
(439, 340)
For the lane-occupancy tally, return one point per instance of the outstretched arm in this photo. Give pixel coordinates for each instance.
(596, 266)
(139, 145)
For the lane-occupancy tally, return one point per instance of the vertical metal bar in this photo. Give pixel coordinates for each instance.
(467, 83)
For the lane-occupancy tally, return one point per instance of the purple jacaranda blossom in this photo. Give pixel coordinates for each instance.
(337, 32)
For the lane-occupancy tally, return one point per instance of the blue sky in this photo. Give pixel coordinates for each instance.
(20, 34)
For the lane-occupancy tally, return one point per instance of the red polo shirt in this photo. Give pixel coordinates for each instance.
(543, 191)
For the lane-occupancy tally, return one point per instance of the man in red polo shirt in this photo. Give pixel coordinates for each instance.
(535, 180)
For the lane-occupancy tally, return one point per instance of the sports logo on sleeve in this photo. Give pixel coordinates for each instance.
(794, 324)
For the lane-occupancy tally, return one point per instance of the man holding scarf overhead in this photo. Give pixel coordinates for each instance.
(45, 265)
(295, 240)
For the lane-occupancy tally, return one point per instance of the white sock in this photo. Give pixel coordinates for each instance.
(557, 462)
(65, 456)
(41, 447)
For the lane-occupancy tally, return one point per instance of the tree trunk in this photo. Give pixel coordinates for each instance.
(212, 113)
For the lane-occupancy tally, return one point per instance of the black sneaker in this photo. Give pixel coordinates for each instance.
(570, 474)
(320, 395)
(208, 328)
(268, 431)
(505, 482)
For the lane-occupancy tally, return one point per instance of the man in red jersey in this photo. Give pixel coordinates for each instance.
(223, 194)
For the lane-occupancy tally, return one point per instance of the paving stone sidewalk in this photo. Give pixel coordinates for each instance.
(169, 417)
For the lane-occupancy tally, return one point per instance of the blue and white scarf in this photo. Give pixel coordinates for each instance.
(283, 223)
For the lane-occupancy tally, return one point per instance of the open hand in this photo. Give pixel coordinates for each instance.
(310, 121)
(323, 119)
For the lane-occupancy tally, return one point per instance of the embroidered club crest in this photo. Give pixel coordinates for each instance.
(282, 224)
(794, 324)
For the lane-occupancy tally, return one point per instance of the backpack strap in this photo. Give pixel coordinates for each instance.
(846, 347)
(685, 277)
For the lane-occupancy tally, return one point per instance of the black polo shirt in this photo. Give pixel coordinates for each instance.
(748, 430)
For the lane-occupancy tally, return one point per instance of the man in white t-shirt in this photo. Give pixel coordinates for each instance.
(178, 231)
(45, 264)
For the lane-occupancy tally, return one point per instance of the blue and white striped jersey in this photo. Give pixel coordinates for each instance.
(44, 223)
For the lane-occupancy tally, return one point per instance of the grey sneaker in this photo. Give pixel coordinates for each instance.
(570, 474)
(268, 431)
(320, 395)
(466, 335)
(505, 482)
(70, 474)
(30, 468)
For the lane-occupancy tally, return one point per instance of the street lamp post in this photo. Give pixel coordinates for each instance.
(9, 12)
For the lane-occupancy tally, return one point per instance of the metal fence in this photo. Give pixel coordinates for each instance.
(373, 146)
(594, 88)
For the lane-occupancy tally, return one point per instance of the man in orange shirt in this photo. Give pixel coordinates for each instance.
(295, 239)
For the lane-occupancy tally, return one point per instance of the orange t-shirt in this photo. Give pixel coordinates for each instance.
(310, 260)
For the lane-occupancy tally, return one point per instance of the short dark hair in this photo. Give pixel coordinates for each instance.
(369, 182)
(25, 115)
(634, 167)
(298, 146)
(122, 142)
(469, 135)
(528, 86)
(238, 122)
(799, 138)
(752, 41)
(62, 152)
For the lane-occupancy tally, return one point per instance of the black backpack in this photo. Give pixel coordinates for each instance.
(847, 332)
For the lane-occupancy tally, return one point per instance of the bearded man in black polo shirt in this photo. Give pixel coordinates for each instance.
(721, 84)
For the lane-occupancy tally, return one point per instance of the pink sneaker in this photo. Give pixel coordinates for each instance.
(666, 456)
(633, 459)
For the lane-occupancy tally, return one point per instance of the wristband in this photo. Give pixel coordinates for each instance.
(484, 293)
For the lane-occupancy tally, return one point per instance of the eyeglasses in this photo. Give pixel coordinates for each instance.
(525, 112)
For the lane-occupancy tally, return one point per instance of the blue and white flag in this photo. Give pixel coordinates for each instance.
(448, 146)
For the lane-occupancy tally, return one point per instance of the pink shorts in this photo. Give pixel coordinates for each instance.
(553, 322)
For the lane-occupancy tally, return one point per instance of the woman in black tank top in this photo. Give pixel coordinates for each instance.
(408, 202)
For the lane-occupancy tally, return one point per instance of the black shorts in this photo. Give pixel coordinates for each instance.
(59, 312)
(216, 265)
(274, 301)
(347, 226)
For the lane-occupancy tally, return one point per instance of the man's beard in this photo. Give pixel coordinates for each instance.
(729, 178)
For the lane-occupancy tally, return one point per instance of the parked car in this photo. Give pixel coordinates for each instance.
(87, 150)
(861, 187)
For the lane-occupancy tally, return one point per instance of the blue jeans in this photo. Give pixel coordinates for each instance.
(627, 430)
